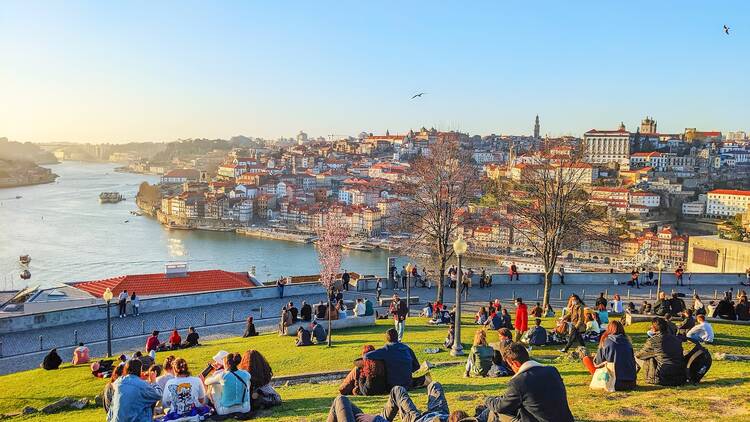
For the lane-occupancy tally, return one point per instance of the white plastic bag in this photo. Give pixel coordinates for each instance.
(604, 378)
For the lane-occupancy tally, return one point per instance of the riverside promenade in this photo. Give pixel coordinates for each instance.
(25, 349)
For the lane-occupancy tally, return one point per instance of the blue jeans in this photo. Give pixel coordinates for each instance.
(399, 325)
(280, 287)
(399, 403)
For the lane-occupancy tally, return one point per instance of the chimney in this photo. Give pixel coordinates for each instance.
(176, 269)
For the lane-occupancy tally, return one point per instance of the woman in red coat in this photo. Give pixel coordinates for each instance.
(522, 319)
(175, 340)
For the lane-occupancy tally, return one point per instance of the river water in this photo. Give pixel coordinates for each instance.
(71, 237)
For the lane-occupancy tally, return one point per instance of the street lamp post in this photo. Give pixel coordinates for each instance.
(459, 247)
(107, 296)
(660, 267)
(409, 268)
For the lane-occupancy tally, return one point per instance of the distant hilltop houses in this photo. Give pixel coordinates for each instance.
(658, 188)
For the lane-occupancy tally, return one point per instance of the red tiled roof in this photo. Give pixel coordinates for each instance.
(160, 284)
(730, 192)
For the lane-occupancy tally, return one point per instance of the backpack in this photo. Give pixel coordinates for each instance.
(698, 362)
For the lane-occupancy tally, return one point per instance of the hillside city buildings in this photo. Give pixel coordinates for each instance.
(657, 188)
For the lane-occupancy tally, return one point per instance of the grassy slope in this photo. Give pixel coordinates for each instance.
(724, 392)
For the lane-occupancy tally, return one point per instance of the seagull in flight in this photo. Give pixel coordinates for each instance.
(418, 95)
(726, 29)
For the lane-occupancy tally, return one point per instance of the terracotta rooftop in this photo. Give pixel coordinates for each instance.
(161, 284)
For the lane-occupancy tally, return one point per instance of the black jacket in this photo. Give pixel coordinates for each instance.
(686, 325)
(320, 334)
(321, 312)
(677, 305)
(664, 364)
(618, 350)
(305, 313)
(743, 311)
(304, 338)
(725, 310)
(51, 361)
(663, 307)
(536, 394)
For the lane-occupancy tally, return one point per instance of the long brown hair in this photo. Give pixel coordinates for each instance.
(371, 368)
(258, 367)
(614, 327)
(180, 367)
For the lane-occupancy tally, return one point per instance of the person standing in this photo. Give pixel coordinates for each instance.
(561, 273)
(404, 276)
(577, 324)
(466, 282)
(522, 319)
(678, 274)
(345, 278)
(136, 302)
(513, 271)
(399, 310)
(280, 286)
(378, 289)
(122, 302)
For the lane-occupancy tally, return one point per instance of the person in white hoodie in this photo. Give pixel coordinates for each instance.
(702, 332)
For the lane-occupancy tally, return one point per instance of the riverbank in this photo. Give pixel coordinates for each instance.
(20, 185)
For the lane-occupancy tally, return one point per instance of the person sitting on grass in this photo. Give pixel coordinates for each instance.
(725, 308)
(538, 335)
(615, 347)
(263, 395)
(133, 399)
(399, 360)
(536, 311)
(592, 331)
(480, 357)
(192, 338)
(305, 312)
(601, 312)
(229, 389)
(51, 360)
(742, 309)
(688, 322)
(499, 367)
(320, 333)
(399, 404)
(80, 354)
(367, 378)
(175, 341)
(153, 343)
(250, 328)
(507, 321)
(661, 356)
(304, 338)
(535, 393)
(481, 316)
(167, 372)
(495, 322)
(109, 389)
(702, 332)
(184, 394)
(450, 338)
(427, 311)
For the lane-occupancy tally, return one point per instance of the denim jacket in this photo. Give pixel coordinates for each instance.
(133, 400)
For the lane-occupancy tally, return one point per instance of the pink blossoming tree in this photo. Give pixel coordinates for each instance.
(331, 237)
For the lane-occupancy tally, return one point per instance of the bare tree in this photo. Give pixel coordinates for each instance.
(548, 209)
(442, 185)
(331, 237)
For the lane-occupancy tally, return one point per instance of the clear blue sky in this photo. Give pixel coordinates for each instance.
(117, 71)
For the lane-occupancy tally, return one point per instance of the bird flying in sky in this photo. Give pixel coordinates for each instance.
(726, 29)
(418, 95)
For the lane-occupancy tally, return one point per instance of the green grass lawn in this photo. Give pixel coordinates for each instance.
(724, 394)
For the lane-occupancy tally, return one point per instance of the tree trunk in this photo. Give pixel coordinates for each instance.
(440, 281)
(330, 332)
(547, 287)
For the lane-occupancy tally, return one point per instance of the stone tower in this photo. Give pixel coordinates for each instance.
(536, 127)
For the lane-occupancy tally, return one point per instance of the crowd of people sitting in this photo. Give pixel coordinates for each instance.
(231, 385)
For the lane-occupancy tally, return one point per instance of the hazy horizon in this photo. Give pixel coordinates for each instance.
(85, 71)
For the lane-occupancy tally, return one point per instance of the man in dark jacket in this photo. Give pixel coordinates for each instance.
(661, 356)
(663, 306)
(345, 278)
(725, 308)
(304, 338)
(677, 305)
(400, 361)
(305, 312)
(292, 310)
(601, 300)
(320, 333)
(536, 393)
(687, 323)
(321, 310)
(52, 360)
